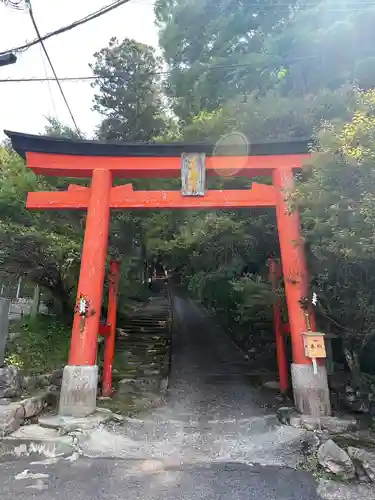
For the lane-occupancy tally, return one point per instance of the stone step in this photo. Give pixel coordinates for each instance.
(147, 321)
(126, 357)
(141, 344)
(141, 336)
(136, 386)
(150, 316)
(141, 353)
(147, 335)
(157, 322)
(128, 342)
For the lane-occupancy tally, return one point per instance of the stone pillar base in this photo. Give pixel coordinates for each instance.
(78, 391)
(311, 393)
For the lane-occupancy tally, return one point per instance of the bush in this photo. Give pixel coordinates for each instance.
(41, 346)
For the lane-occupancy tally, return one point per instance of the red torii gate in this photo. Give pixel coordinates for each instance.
(102, 163)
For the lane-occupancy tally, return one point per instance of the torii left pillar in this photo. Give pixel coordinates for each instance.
(80, 378)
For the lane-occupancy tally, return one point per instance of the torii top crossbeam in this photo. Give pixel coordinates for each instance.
(53, 156)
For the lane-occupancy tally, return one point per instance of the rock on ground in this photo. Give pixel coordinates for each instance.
(11, 418)
(10, 382)
(13, 415)
(34, 405)
(335, 460)
(365, 460)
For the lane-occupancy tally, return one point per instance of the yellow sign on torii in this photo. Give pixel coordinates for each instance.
(193, 174)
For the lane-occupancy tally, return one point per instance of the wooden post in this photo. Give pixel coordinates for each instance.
(18, 292)
(282, 362)
(110, 339)
(311, 393)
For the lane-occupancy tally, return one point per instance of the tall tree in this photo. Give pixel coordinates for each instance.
(128, 91)
(215, 48)
(326, 46)
(55, 128)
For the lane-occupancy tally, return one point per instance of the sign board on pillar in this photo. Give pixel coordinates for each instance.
(314, 345)
(193, 174)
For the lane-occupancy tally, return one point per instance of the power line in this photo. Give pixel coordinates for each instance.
(52, 68)
(155, 73)
(48, 82)
(79, 22)
(15, 4)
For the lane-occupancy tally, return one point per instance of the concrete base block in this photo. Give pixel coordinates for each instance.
(311, 392)
(78, 391)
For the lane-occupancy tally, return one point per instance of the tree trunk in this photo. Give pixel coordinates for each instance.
(61, 297)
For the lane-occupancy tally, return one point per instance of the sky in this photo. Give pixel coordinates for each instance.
(24, 106)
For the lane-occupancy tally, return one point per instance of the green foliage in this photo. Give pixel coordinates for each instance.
(213, 252)
(325, 46)
(128, 91)
(219, 50)
(55, 128)
(41, 346)
(215, 49)
(338, 209)
(271, 117)
(42, 246)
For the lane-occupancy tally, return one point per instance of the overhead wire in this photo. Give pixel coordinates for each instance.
(154, 73)
(15, 4)
(75, 24)
(53, 69)
(48, 82)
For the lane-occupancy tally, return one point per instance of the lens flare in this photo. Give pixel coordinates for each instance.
(230, 154)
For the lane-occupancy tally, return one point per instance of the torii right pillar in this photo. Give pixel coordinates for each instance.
(311, 392)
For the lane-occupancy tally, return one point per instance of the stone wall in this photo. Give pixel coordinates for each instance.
(22, 307)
